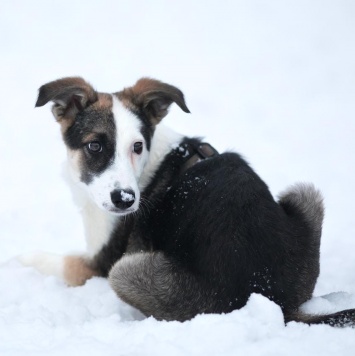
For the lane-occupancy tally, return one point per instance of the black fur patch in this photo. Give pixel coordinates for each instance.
(220, 222)
(99, 125)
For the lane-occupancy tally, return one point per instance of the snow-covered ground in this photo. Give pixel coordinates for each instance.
(273, 80)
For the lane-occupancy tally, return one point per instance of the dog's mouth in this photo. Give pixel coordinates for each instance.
(117, 211)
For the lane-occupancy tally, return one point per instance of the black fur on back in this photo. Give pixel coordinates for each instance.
(219, 222)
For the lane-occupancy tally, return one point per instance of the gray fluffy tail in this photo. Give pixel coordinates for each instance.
(307, 200)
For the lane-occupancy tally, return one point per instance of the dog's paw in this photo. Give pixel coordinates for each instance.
(73, 270)
(46, 263)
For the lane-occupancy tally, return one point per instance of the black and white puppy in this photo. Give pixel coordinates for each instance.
(178, 228)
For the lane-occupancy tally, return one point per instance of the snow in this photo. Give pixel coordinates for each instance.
(273, 80)
(126, 196)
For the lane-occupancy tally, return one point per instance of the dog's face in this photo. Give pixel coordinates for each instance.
(108, 136)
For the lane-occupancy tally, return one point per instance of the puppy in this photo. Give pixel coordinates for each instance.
(178, 228)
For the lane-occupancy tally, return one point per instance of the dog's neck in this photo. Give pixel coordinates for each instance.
(98, 223)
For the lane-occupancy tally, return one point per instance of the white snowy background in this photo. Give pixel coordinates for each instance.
(273, 80)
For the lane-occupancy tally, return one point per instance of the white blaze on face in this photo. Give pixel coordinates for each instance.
(127, 166)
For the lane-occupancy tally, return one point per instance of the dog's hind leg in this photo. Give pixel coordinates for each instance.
(158, 287)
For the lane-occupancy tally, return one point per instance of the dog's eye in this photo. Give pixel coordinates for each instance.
(94, 146)
(138, 147)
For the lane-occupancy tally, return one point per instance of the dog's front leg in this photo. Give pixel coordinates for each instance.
(73, 270)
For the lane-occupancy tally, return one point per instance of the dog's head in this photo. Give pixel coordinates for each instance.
(108, 136)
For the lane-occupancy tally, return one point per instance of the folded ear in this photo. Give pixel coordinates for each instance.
(155, 97)
(70, 95)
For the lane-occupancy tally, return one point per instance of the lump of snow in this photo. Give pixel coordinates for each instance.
(330, 303)
(126, 196)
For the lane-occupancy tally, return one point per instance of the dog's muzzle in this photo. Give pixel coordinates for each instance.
(123, 199)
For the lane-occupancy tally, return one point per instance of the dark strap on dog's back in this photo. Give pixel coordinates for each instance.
(200, 152)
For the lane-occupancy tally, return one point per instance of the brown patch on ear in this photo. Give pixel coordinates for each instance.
(127, 99)
(153, 97)
(77, 271)
(70, 95)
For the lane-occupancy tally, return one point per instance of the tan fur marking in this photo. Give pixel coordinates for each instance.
(77, 271)
(104, 101)
(89, 137)
(65, 123)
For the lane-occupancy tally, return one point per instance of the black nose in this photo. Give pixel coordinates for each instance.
(122, 199)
